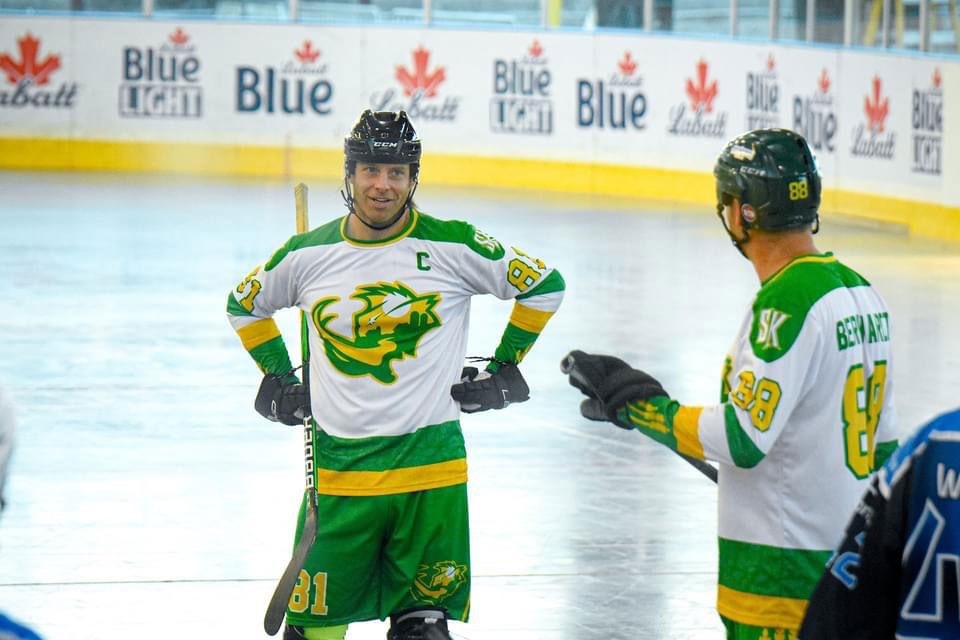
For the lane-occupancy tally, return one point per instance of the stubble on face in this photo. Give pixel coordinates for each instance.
(379, 193)
(380, 190)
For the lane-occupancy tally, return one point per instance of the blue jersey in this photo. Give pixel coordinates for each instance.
(897, 572)
(10, 630)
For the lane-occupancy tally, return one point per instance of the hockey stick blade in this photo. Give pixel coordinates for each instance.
(569, 366)
(277, 608)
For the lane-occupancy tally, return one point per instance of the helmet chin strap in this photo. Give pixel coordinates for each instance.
(347, 195)
(737, 242)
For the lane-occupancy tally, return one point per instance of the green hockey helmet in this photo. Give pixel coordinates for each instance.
(382, 137)
(773, 174)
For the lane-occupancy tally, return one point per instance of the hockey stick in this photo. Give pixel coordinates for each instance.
(569, 367)
(277, 608)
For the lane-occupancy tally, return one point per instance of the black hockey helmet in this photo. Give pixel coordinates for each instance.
(382, 137)
(773, 174)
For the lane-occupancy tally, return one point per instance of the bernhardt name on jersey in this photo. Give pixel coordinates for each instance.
(860, 329)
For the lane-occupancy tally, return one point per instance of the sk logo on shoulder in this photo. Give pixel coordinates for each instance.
(770, 322)
(389, 327)
(437, 582)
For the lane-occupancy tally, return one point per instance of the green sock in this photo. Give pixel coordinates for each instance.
(325, 633)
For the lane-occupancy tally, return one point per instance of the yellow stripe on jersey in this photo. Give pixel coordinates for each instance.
(256, 333)
(825, 258)
(758, 610)
(380, 483)
(532, 320)
(686, 430)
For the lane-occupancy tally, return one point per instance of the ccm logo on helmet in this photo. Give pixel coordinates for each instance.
(379, 144)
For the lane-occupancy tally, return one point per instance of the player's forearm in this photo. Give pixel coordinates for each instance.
(703, 433)
(666, 421)
(531, 312)
(521, 333)
(262, 340)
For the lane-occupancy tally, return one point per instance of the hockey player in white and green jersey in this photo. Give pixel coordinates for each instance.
(806, 411)
(387, 291)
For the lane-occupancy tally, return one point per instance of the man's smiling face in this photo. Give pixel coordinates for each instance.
(379, 190)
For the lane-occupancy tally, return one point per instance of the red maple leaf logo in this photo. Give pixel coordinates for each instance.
(179, 37)
(770, 63)
(937, 78)
(29, 67)
(627, 65)
(535, 49)
(307, 53)
(876, 109)
(420, 80)
(702, 94)
(824, 82)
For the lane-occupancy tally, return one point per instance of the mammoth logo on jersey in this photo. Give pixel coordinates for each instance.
(521, 101)
(30, 76)
(389, 327)
(814, 117)
(927, 127)
(871, 139)
(420, 97)
(296, 87)
(618, 103)
(700, 120)
(438, 581)
(763, 97)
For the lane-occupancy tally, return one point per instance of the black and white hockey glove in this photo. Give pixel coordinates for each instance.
(609, 383)
(483, 390)
(282, 398)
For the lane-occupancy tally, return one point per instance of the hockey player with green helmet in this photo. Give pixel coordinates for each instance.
(387, 290)
(806, 412)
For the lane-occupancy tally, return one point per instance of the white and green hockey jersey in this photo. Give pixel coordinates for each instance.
(388, 325)
(806, 415)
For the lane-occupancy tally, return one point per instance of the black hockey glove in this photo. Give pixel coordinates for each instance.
(483, 390)
(282, 398)
(609, 383)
